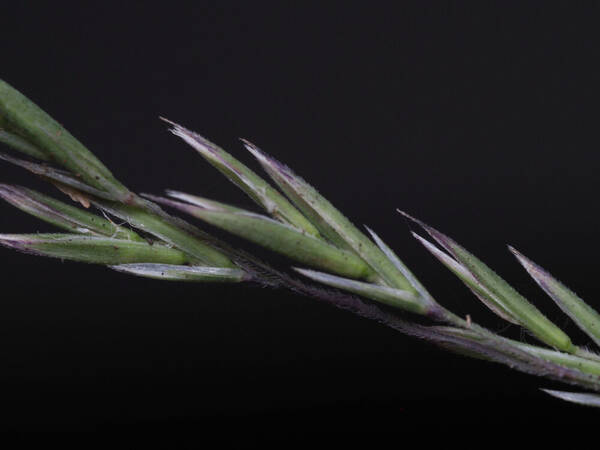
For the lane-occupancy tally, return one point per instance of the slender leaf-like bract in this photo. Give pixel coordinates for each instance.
(397, 298)
(62, 215)
(22, 145)
(38, 128)
(303, 204)
(334, 219)
(486, 297)
(202, 202)
(582, 314)
(278, 237)
(98, 250)
(160, 227)
(518, 307)
(172, 272)
(59, 177)
(257, 188)
(400, 266)
(576, 397)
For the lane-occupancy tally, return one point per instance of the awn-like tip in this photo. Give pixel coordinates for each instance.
(166, 201)
(268, 162)
(170, 122)
(408, 216)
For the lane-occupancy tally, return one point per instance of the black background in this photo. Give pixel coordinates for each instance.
(481, 121)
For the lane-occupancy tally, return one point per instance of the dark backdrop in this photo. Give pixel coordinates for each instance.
(483, 122)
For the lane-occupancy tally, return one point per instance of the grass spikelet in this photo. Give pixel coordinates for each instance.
(528, 315)
(582, 314)
(486, 297)
(278, 237)
(62, 215)
(330, 221)
(203, 252)
(256, 188)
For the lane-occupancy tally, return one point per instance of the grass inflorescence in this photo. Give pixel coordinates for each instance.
(341, 264)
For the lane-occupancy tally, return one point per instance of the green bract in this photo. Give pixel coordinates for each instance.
(582, 314)
(279, 237)
(95, 250)
(23, 117)
(64, 216)
(393, 297)
(173, 272)
(22, 145)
